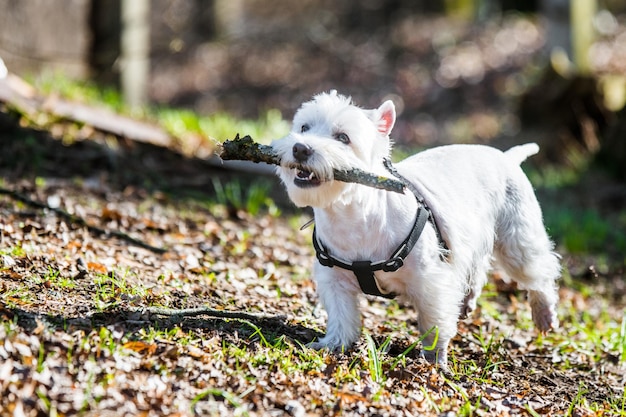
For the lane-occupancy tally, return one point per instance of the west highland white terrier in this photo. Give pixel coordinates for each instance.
(465, 205)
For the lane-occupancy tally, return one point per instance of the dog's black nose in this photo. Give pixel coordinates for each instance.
(302, 152)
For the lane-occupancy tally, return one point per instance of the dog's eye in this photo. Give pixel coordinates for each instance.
(304, 128)
(342, 137)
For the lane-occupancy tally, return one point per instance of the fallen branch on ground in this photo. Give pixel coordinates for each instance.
(40, 110)
(246, 149)
(207, 311)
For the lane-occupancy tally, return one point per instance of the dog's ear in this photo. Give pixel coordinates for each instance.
(385, 117)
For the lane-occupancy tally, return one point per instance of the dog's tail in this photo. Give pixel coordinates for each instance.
(518, 154)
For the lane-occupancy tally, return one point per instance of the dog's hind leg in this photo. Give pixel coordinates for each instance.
(524, 250)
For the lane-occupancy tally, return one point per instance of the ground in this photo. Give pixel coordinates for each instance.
(98, 236)
(79, 337)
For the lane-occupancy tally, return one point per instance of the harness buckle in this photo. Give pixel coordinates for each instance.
(324, 259)
(393, 264)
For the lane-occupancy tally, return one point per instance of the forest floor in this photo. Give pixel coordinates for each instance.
(96, 236)
(78, 336)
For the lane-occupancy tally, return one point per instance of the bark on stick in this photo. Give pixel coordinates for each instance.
(246, 149)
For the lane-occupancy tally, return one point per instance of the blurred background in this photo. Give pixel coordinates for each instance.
(497, 72)
(458, 70)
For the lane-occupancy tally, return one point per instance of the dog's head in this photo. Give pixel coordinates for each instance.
(328, 133)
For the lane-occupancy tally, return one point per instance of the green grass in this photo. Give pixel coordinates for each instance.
(16, 251)
(594, 335)
(374, 363)
(268, 351)
(579, 400)
(467, 408)
(552, 176)
(114, 288)
(378, 363)
(620, 340)
(221, 126)
(586, 231)
(181, 123)
(56, 83)
(215, 394)
(578, 227)
(252, 198)
(491, 358)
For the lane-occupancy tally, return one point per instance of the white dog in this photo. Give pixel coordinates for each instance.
(465, 205)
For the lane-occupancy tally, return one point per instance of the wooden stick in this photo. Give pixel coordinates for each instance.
(246, 149)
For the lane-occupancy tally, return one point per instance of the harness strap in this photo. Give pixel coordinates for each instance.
(367, 280)
(420, 199)
(364, 270)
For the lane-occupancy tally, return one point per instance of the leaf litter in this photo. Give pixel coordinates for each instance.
(77, 337)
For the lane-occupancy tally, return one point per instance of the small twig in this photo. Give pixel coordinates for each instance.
(207, 311)
(246, 149)
(80, 221)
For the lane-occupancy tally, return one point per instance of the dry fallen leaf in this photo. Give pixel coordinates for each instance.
(97, 267)
(141, 347)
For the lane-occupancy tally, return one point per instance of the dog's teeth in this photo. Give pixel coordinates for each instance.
(305, 175)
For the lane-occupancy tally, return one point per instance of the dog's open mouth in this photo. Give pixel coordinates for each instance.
(305, 178)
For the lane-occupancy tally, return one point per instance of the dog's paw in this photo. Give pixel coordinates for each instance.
(543, 306)
(435, 356)
(440, 363)
(323, 346)
(317, 346)
(331, 345)
(545, 319)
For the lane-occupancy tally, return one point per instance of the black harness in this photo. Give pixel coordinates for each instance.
(364, 270)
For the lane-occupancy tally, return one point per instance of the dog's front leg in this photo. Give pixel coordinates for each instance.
(438, 301)
(340, 299)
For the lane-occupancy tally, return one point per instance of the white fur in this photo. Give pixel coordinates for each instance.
(484, 205)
